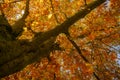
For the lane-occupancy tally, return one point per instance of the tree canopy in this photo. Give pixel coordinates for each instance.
(60, 39)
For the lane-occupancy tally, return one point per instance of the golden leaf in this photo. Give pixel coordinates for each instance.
(49, 16)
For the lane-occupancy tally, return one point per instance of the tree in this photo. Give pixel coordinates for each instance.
(87, 36)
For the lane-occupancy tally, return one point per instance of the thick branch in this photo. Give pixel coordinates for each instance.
(63, 28)
(23, 53)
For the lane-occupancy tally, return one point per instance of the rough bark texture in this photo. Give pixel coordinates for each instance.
(16, 54)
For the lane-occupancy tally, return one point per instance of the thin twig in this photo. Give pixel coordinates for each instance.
(53, 10)
(77, 48)
(80, 53)
(63, 12)
(85, 2)
(109, 46)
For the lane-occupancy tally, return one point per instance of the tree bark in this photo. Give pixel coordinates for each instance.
(16, 54)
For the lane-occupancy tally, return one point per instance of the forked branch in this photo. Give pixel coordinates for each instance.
(18, 26)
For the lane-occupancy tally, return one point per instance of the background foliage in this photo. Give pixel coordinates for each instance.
(97, 35)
